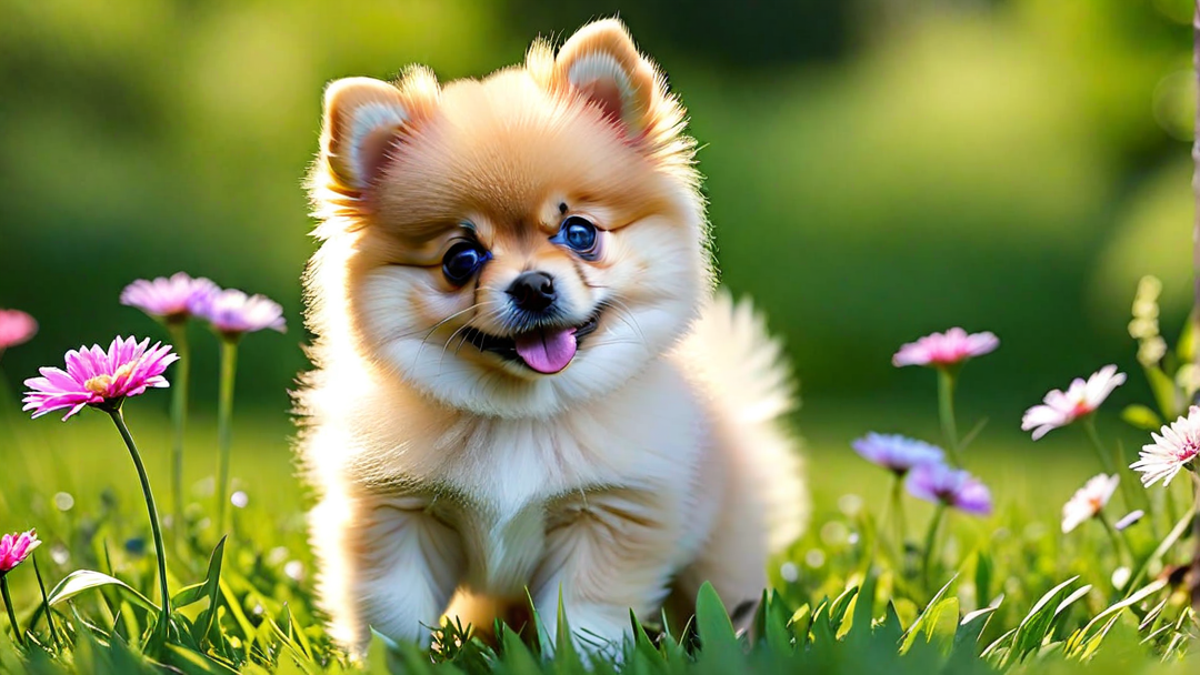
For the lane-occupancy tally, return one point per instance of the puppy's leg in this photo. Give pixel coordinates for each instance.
(386, 564)
(607, 553)
(733, 560)
(752, 475)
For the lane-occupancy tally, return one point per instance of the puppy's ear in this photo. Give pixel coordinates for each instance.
(366, 120)
(601, 63)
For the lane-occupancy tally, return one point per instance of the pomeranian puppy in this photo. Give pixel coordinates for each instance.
(525, 386)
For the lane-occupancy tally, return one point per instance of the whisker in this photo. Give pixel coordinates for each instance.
(623, 309)
(437, 325)
(441, 359)
(425, 339)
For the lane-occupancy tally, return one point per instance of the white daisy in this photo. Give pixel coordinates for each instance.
(1172, 451)
(1082, 398)
(1088, 500)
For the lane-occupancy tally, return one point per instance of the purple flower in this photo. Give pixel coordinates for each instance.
(896, 453)
(233, 313)
(173, 299)
(15, 548)
(16, 327)
(955, 488)
(1081, 399)
(1129, 519)
(98, 378)
(942, 350)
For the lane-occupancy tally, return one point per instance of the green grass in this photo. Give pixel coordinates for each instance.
(1014, 563)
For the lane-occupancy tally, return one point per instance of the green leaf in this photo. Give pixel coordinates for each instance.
(207, 588)
(298, 634)
(966, 639)
(929, 618)
(212, 584)
(195, 663)
(864, 607)
(1165, 393)
(981, 615)
(821, 627)
(984, 569)
(776, 620)
(1141, 417)
(1182, 527)
(799, 624)
(718, 643)
(566, 658)
(891, 630)
(641, 641)
(837, 611)
(517, 656)
(1186, 347)
(1072, 599)
(998, 649)
(1088, 638)
(1035, 627)
(302, 660)
(85, 580)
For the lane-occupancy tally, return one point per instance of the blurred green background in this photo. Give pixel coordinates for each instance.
(877, 169)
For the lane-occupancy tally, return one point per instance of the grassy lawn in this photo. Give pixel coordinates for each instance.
(74, 482)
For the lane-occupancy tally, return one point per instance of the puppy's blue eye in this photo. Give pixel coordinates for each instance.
(462, 261)
(579, 235)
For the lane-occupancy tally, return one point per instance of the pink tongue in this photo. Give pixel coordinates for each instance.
(547, 351)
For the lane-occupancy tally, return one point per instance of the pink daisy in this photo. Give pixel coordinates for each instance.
(233, 313)
(98, 378)
(16, 327)
(942, 350)
(170, 299)
(1082, 398)
(15, 548)
(1175, 448)
(955, 488)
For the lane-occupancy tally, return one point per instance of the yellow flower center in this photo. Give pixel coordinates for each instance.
(99, 384)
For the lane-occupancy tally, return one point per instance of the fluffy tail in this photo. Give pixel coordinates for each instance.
(751, 382)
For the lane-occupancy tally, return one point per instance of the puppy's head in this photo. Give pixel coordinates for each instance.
(516, 244)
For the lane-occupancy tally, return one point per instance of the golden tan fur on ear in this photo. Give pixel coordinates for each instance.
(601, 64)
(365, 120)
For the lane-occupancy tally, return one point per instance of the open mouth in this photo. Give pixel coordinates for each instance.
(545, 350)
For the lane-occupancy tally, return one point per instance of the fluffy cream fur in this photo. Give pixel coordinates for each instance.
(652, 463)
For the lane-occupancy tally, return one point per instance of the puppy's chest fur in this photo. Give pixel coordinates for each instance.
(631, 460)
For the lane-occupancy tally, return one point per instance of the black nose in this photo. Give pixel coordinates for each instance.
(532, 291)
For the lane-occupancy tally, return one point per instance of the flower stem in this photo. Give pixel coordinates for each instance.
(8, 605)
(225, 424)
(179, 407)
(898, 519)
(1118, 546)
(1196, 535)
(1089, 425)
(46, 603)
(930, 542)
(155, 526)
(946, 413)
